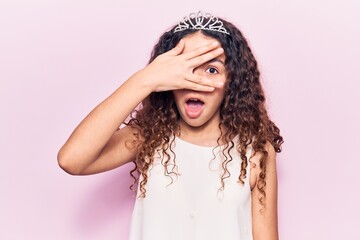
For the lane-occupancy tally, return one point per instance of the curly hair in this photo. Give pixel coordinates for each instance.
(242, 112)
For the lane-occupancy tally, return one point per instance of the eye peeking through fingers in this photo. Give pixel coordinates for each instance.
(212, 70)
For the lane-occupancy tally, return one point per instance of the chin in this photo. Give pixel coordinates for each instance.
(194, 124)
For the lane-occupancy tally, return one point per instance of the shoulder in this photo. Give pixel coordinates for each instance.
(271, 159)
(271, 154)
(254, 161)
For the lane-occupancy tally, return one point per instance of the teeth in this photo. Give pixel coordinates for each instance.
(194, 100)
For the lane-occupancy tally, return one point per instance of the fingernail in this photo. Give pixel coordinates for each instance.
(219, 50)
(215, 44)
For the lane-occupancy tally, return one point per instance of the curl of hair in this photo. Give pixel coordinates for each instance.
(242, 112)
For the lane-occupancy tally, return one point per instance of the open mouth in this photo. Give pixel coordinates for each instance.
(194, 101)
(194, 107)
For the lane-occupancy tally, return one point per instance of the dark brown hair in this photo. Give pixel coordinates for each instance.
(242, 111)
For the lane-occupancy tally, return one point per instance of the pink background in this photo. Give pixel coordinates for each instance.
(59, 59)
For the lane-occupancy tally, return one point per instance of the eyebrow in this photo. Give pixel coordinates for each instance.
(216, 60)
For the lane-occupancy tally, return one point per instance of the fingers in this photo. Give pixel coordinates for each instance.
(198, 61)
(197, 80)
(201, 50)
(177, 49)
(197, 87)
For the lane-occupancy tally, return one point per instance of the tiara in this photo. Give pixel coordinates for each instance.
(201, 21)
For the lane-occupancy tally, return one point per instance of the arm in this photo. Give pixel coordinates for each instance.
(265, 222)
(96, 144)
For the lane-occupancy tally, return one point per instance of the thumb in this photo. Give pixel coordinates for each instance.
(177, 49)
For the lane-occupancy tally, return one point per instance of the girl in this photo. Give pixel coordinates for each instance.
(200, 138)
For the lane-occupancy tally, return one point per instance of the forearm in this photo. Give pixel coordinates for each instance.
(167, 72)
(92, 134)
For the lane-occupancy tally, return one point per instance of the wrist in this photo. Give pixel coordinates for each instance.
(144, 81)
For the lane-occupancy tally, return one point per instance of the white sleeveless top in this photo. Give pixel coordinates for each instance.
(191, 207)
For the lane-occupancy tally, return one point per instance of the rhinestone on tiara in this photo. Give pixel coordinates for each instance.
(201, 21)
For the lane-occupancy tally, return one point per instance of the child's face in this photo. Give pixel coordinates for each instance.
(202, 108)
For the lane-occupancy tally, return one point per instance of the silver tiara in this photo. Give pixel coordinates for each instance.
(201, 21)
